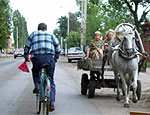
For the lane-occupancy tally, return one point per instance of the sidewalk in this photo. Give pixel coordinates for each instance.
(148, 70)
(5, 55)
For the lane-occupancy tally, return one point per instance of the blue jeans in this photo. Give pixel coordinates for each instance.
(39, 60)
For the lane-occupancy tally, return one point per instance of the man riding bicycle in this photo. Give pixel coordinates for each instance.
(45, 48)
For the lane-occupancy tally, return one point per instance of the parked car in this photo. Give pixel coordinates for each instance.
(75, 53)
(18, 53)
(10, 51)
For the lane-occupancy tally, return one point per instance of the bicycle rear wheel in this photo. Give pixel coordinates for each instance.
(46, 101)
(38, 104)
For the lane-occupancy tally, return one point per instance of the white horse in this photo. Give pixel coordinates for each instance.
(125, 65)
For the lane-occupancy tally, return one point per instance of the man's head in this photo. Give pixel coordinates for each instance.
(98, 35)
(42, 26)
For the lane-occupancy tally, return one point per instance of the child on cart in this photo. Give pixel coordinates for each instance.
(96, 47)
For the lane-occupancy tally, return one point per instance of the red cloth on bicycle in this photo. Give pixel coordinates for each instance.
(24, 67)
(30, 57)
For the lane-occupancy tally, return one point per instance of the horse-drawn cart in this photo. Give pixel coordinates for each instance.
(96, 80)
(97, 77)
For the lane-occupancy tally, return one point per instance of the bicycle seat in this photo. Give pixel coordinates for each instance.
(45, 66)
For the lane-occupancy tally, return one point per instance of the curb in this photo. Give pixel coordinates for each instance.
(6, 55)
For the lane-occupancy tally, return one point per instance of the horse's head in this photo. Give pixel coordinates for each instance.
(128, 42)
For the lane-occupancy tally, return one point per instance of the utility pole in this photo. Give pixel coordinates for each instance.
(17, 36)
(61, 40)
(83, 22)
(67, 34)
(68, 25)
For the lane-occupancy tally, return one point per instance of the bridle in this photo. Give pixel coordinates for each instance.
(125, 53)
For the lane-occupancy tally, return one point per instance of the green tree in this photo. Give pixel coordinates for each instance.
(62, 21)
(56, 32)
(134, 6)
(94, 20)
(94, 1)
(103, 16)
(74, 24)
(5, 22)
(20, 23)
(114, 17)
(73, 40)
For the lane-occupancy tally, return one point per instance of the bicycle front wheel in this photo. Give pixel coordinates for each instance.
(46, 101)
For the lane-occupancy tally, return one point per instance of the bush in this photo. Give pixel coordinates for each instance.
(148, 64)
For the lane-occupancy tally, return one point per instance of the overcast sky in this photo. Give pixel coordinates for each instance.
(47, 11)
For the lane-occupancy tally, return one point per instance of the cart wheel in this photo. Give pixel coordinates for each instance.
(84, 84)
(138, 91)
(91, 92)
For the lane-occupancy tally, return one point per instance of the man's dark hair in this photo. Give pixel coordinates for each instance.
(42, 26)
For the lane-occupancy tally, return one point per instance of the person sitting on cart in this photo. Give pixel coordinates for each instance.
(107, 39)
(96, 47)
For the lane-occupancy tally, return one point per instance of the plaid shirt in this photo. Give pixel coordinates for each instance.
(41, 42)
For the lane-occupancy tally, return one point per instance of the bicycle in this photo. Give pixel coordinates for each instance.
(43, 97)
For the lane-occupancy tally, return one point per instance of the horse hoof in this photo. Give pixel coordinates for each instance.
(126, 105)
(134, 100)
(118, 98)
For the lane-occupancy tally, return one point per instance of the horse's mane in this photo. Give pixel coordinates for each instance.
(128, 31)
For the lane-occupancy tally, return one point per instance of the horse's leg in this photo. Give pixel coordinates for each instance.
(135, 75)
(124, 85)
(129, 82)
(118, 85)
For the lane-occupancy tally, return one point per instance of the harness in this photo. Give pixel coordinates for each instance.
(126, 55)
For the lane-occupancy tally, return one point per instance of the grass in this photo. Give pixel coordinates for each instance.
(148, 64)
(148, 39)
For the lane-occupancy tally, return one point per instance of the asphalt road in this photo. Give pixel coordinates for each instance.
(16, 96)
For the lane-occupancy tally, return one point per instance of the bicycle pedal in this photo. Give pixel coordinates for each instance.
(42, 101)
